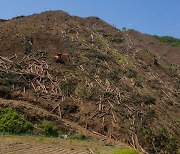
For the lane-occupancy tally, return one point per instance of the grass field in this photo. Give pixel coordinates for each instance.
(45, 145)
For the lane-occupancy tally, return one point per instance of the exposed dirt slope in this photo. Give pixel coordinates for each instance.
(123, 85)
(168, 52)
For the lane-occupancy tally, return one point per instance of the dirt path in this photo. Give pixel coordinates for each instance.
(43, 145)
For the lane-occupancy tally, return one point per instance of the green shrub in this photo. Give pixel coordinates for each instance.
(124, 29)
(5, 92)
(126, 151)
(12, 122)
(165, 141)
(160, 140)
(6, 82)
(49, 129)
(79, 137)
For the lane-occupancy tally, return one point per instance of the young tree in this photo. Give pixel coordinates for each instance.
(124, 29)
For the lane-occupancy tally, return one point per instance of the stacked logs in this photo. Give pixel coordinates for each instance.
(35, 72)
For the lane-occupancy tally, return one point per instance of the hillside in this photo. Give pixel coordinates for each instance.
(118, 86)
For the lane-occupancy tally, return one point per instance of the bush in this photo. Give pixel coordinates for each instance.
(124, 29)
(5, 92)
(159, 141)
(79, 137)
(12, 122)
(165, 141)
(49, 129)
(6, 82)
(126, 151)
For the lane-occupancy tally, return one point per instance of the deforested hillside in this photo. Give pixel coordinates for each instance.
(122, 86)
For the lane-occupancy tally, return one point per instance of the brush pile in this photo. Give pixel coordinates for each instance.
(35, 72)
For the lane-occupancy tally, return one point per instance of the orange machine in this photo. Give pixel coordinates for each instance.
(62, 58)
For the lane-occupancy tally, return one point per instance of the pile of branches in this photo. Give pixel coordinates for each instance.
(35, 72)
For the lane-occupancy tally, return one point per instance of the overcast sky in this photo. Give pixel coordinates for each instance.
(158, 17)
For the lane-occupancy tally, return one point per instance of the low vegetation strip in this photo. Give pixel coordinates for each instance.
(168, 40)
(46, 145)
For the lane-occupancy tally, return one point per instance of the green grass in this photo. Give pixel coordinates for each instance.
(177, 120)
(126, 151)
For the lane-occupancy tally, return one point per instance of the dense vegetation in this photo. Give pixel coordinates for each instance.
(12, 122)
(49, 129)
(168, 40)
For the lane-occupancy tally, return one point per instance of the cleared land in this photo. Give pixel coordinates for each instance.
(44, 145)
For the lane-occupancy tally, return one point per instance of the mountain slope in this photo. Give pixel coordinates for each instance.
(122, 85)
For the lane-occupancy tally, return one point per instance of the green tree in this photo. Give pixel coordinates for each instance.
(124, 29)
